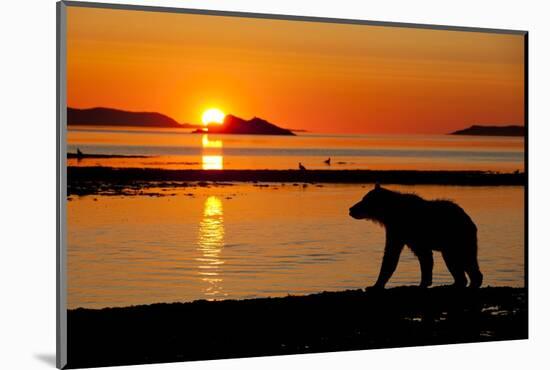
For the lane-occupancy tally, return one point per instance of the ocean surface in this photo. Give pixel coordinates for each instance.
(180, 149)
(253, 240)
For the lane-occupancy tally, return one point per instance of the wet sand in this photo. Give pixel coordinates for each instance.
(107, 180)
(329, 321)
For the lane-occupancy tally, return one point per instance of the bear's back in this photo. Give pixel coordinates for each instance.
(409, 212)
(440, 222)
(448, 211)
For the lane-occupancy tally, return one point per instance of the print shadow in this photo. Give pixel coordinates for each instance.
(47, 358)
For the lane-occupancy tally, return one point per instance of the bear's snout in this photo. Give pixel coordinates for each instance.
(353, 212)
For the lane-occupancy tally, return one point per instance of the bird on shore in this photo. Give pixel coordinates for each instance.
(301, 166)
(79, 154)
(327, 161)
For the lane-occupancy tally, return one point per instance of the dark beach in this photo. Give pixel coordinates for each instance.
(329, 321)
(107, 180)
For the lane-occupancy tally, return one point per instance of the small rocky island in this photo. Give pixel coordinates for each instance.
(235, 125)
(479, 130)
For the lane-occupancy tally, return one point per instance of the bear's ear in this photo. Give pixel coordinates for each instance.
(377, 185)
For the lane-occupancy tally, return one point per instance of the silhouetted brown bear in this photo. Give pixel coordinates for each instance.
(424, 226)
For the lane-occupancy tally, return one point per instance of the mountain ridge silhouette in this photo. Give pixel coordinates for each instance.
(119, 117)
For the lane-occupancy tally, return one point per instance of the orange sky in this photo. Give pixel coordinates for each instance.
(316, 76)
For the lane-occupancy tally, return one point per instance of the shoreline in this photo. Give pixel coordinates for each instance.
(95, 180)
(321, 322)
(102, 156)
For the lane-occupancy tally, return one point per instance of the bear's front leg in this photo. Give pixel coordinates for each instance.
(426, 259)
(392, 251)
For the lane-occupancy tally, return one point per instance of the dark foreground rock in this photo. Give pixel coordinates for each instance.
(337, 321)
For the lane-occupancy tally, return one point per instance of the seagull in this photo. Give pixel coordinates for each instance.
(328, 161)
(301, 166)
(79, 154)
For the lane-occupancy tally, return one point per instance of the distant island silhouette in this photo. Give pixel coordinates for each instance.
(235, 125)
(117, 117)
(479, 130)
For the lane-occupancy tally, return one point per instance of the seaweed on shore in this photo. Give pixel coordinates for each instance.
(130, 181)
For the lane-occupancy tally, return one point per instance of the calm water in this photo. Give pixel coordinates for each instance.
(245, 241)
(173, 148)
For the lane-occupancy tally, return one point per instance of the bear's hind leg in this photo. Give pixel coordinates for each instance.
(476, 277)
(456, 268)
(471, 265)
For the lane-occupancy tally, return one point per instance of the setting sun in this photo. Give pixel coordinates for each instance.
(212, 115)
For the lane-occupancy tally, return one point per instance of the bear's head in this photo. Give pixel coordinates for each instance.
(373, 206)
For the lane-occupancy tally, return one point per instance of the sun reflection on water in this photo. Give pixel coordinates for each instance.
(212, 162)
(206, 143)
(212, 158)
(210, 245)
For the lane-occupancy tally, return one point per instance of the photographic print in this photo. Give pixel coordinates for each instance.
(246, 185)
